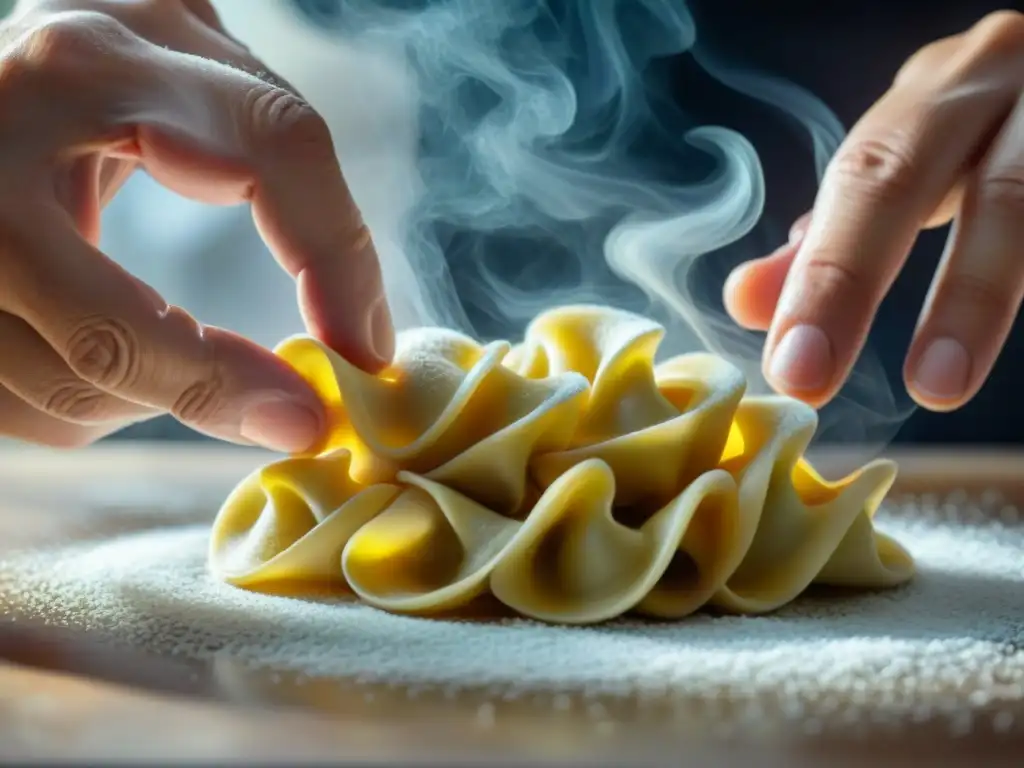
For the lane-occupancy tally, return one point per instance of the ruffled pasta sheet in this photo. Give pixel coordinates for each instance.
(570, 477)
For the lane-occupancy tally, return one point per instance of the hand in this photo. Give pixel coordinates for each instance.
(946, 141)
(91, 89)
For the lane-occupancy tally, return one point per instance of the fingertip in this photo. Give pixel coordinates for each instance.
(752, 290)
(265, 401)
(802, 365)
(929, 404)
(283, 425)
(382, 331)
(735, 297)
(815, 398)
(798, 231)
(932, 401)
(938, 378)
(361, 331)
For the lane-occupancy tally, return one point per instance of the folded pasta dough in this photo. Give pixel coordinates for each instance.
(571, 477)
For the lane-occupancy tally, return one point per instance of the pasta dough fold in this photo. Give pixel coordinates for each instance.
(571, 477)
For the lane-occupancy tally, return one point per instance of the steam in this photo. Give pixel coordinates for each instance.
(555, 168)
(822, 127)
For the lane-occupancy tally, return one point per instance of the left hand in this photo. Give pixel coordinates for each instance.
(89, 91)
(945, 142)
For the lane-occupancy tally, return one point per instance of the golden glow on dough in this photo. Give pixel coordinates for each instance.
(570, 477)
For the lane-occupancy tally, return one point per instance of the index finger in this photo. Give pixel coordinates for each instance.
(304, 211)
(893, 171)
(301, 204)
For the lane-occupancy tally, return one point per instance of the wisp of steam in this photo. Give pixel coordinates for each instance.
(555, 168)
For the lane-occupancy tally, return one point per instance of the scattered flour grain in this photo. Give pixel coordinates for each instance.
(948, 645)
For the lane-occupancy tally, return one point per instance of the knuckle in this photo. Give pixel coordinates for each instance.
(834, 282)
(53, 42)
(104, 351)
(881, 167)
(1003, 192)
(1000, 31)
(288, 124)
(201, 400)
(828, 272)
(981, 296)
(355, 239)
(927, 60)
(77, 401)
(60, 42)
(58, 50)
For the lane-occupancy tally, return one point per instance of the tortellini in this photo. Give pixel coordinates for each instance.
(570, 477)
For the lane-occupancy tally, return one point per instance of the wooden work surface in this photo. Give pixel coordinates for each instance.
(63, 696)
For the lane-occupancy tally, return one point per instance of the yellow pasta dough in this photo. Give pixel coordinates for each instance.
(571, 477)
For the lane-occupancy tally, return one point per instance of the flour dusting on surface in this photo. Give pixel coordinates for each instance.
(947, 644)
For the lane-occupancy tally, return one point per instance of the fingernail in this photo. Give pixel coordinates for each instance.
(943, 370)
(382, 331)
(281, 425)
(799, 229)
(802, 361)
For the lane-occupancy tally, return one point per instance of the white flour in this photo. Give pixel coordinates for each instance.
(950, 643)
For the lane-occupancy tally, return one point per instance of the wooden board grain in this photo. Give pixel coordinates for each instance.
(63, 696)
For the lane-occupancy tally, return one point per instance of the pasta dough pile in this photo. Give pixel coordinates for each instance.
(570, 477)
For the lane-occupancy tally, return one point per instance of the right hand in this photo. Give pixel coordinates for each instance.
(944, 143)
(92, 89)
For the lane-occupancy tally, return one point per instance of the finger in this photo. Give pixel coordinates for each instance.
(922, 65)
(798, 230)
(752, 290)
(206, 14)
(189, 26)
(893, 171)
(301, 204)
(215, 133)
(116, 333)
(20, 421)
(31, 369)
(948, 208)
(978, 289)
